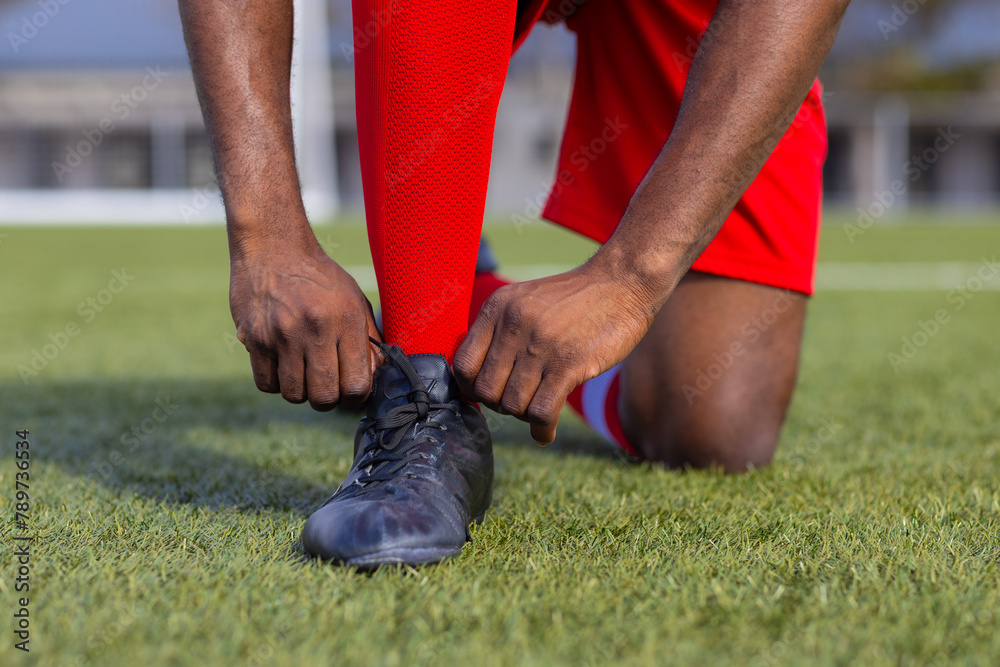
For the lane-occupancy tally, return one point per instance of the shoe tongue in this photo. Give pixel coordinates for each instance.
(392, 389)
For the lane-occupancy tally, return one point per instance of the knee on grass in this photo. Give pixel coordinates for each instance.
(733, 444)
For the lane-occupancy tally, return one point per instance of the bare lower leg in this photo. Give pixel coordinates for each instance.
(710, 383)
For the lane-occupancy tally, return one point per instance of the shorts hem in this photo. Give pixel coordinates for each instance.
(760, 273)
(768, 274)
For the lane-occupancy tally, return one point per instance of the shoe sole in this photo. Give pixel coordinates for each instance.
(409, 555)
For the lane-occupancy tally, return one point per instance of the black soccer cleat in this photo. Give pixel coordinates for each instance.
(422, 473)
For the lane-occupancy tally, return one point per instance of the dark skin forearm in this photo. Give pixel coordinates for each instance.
(754, 67)
(302, 318)
(241, 56)
(535, 341)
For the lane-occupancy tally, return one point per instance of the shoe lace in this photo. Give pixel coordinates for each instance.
(386, 458)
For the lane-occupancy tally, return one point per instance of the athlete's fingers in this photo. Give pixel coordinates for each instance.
(322, 381)
(495, 371)
(472, 352)
(292, 374)
(355, 370)
(521, 387)
(264, 364)
(512, 332)
(546, 405)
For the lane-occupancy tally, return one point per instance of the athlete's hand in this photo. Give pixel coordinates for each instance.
(535, 341)
(305, 323)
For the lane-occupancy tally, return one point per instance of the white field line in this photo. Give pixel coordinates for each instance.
(899, 277)
(830, 276)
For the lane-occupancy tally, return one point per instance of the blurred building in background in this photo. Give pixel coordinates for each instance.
(99, 120)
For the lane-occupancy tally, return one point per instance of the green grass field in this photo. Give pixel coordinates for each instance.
(873, 539)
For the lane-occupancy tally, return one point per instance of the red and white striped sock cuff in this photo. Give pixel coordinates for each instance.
(596, 401)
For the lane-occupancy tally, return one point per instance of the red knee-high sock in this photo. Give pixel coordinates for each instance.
(428, 80)
(595, 401)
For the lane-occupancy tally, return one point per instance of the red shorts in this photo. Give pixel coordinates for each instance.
(633, 58)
